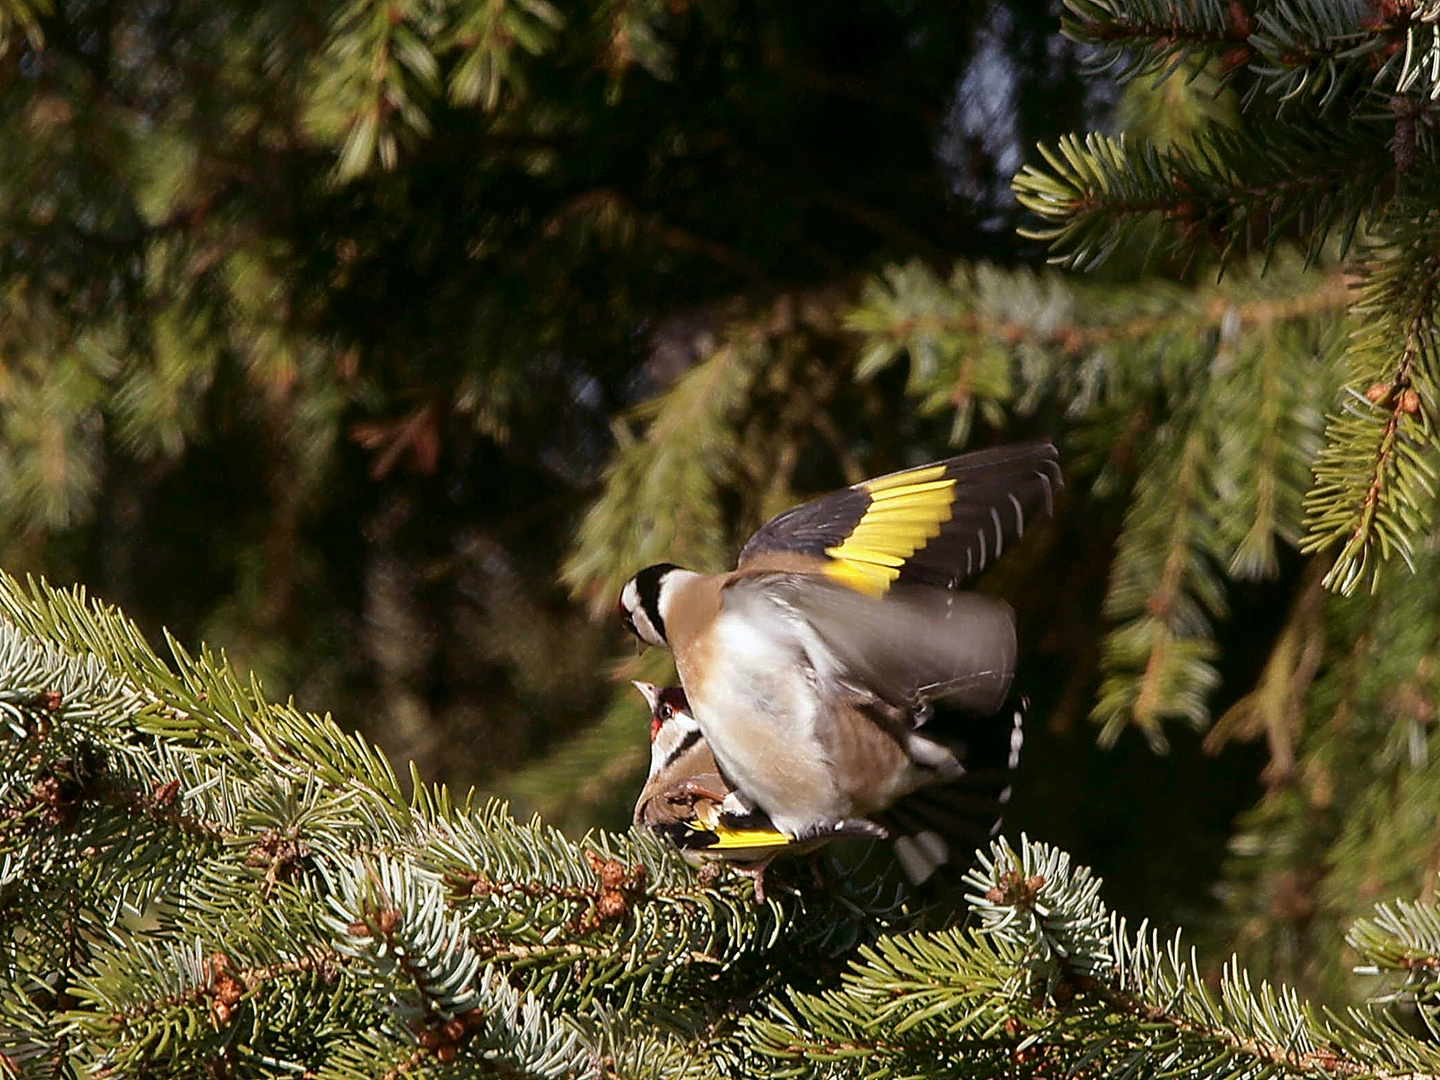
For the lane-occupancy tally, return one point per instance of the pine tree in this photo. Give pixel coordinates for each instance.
(197, 881)
(314, 317)
(1235, 351)
(1240, 362)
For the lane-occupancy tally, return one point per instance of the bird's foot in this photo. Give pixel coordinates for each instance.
(756, 874)
(691, 790)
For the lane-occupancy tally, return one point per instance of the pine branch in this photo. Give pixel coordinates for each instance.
(1238, 190)
(379, 65)
(50, 432)
(1272, 390)
(157, 404)
(910, 314)
(1304, 48)
(634, 38)
(1163, 591)
(284, 876)
(1142, 37)
(381, 69)
(957, 359)
(632, 1046)
(1405, 38)
(486, 32)
(1352, 823)
(430, 934)
(1275, 707)
(1049, 981)
(1402, 937)
(1374, 487)
(1100, 192)
(1294, 49)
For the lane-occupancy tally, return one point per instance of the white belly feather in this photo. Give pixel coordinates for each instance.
(759, 711)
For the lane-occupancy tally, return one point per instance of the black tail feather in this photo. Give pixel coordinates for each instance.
(939, 825)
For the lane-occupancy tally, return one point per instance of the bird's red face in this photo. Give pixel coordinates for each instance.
(673, 729)
(670, 701)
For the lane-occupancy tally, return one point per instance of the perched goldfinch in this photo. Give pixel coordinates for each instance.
(812, 668)
(687, 800)
(685, 797)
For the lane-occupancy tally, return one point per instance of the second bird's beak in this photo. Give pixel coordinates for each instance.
(649, 691)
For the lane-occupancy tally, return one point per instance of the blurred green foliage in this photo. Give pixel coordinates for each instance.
(378, 343)
(314, 318)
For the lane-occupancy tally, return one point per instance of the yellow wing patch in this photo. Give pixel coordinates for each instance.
(901, 480)
(730, 839)
(741, 839)
(905, 513)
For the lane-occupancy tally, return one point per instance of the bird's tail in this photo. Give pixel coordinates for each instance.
(944, 823)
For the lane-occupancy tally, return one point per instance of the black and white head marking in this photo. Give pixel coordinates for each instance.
(640, 604)
(673, 729)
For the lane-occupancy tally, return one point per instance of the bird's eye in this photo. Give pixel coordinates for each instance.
(667, 712)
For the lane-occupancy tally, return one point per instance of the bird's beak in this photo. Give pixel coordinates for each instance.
(649, 691)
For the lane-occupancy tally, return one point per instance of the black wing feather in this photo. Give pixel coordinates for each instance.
(997, 493)
(964, 814)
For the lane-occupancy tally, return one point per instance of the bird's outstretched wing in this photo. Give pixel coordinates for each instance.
(938, 524)
(913, 646)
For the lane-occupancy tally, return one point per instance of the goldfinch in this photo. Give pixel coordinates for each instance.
(687, 800)
(812, 668)
(685, 797)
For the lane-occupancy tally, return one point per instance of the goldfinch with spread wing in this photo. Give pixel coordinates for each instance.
(812, 667)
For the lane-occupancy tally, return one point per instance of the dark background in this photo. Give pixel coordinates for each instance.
(346, 428)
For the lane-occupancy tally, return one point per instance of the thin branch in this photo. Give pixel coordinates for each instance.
(1324, 1063)
(1402, 402)
(1333, 293)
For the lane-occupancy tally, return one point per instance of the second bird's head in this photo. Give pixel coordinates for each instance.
(643, 603)
(673, 728)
